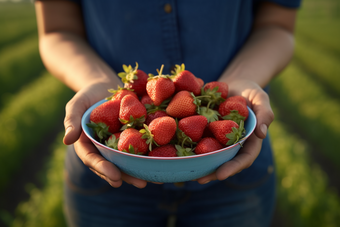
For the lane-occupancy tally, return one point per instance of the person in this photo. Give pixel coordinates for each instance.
(244, 43)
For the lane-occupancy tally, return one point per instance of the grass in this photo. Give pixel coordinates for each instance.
(303, 193)
(20, 64)
(26, 119)
(327, 66)
(44, 208)
(310, 109)
(14, 31)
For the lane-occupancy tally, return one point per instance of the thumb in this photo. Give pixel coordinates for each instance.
(264, 114)
(72, 121)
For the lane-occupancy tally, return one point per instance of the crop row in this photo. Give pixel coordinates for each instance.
(322, 33)
(15, 12)
(308, 107)
(44, 208)
(20, 64)
(14, 31)
(303, 192)
(321, 63)
(24, 122)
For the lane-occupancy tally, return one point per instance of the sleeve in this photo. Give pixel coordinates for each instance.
(287, 3)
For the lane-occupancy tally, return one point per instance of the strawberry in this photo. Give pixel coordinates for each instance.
(160, 131)
(184, 80)
(145, 99)
(193, 126)
(183, 104)
(233, 110)
(112, 141)
(238, 98)
(134, 79)
(132, 112)
(222, 87)
(213, 94)
(200, 81)
(151, 116)
(104, 119)
(160, 87)
(227, 132)
(120, 93)
(206, 145)
(167, 150)
(131, 141)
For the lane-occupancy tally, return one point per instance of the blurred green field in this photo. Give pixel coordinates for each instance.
(305, 98)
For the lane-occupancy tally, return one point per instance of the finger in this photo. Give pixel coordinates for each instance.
(264, 113)
(207, 179)
(91, 157)
(138, 183)
(243, 160)
(75, 109)
(115, 184)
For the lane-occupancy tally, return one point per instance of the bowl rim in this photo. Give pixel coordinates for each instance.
(239, 143)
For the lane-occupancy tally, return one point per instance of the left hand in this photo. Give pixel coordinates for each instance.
(258, 101)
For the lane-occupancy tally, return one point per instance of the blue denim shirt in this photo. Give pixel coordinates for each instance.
(203, 34)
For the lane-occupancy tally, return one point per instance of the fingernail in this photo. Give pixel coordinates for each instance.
(206, 182)
(263, 129)
(68, 130)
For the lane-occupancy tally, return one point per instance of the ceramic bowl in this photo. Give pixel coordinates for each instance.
(168, 169)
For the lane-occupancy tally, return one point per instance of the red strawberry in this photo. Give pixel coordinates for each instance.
(160, 131)
(104, 119)
(112, 141)
(233, 110)
(151, 116)
(146, 100)
(237, 98)
(131, 141)
(167, 150)
(183, 104)
(160, 87)
(120, 93)
(206, 145)
(132, 112)
(226, 131)
(222, 87)
(184, 80)
(212, 94)
(200, 81)
(193, 126)
(134, 79)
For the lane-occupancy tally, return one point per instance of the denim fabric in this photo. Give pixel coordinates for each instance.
(203, 34)
(90, 201)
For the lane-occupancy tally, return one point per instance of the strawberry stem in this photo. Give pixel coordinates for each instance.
(161, 70)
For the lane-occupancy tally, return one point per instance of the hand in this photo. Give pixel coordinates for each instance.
(84, 148)
(258, 101)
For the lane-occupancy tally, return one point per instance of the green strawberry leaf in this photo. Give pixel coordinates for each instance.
(211, 115)
(101, 130)
(112, 142)
(132, 122)
(234, 116)
(183, 151)
(148, 136)
(236, 135)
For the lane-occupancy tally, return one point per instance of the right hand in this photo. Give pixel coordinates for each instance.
(84, 148)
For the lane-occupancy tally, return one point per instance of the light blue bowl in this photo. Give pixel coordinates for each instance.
(168, 169)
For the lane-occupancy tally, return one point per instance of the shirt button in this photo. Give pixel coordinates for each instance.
(167, 8)
(179, 184)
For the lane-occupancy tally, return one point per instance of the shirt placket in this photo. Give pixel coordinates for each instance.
(170, 35)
